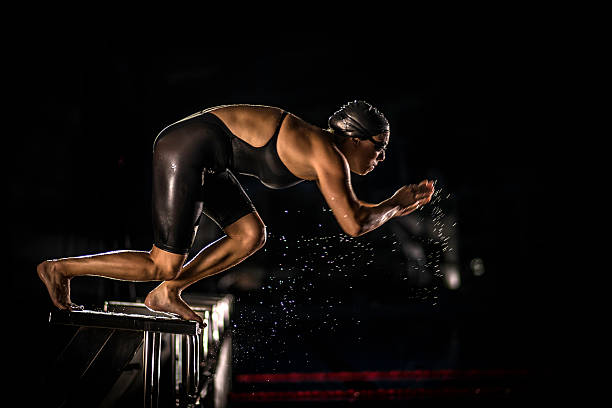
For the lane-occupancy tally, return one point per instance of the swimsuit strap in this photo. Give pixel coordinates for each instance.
(280, 122)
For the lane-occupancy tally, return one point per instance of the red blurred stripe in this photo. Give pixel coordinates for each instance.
(344, 376)
(378, 394)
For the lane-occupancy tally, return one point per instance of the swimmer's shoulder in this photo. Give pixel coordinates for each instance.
(312, 144)
(305, 135)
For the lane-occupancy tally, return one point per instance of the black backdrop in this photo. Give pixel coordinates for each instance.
(460, 113)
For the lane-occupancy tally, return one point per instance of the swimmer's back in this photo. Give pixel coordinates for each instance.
(256, 124)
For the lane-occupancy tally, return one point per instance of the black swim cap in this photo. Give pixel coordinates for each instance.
(358, 119)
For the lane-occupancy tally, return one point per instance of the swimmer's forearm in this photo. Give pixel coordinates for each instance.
(372, 216)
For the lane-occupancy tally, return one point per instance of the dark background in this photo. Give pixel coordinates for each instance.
(461, 112)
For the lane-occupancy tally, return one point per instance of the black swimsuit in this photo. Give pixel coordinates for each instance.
(263, 162)
(193, 161)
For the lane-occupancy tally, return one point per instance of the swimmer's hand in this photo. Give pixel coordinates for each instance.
(412, 196)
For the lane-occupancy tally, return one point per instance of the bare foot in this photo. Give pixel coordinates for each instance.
(57, 284)
(163, 299)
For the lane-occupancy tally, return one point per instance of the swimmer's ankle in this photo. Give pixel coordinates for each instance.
(173, 288)
(55, 267)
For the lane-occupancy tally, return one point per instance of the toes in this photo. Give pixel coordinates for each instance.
(194, 316)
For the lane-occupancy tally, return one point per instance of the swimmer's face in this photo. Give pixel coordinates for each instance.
(367, 154)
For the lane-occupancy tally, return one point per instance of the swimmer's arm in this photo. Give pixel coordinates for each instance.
(354, 216)
(375, 215)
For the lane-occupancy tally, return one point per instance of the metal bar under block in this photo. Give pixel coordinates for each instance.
(151, 354)
(206, 338)
(151, 328)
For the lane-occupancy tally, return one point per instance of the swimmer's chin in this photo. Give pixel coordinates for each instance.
(364, 171)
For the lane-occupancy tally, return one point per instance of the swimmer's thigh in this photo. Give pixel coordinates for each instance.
(225, 201)
(177, 185)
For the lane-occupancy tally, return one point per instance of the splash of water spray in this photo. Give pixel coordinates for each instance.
(290, 295)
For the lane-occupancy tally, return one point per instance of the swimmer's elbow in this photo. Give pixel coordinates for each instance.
(353, 227)
(359, 231)
(350, 226)
(353, 231)
(363, 221)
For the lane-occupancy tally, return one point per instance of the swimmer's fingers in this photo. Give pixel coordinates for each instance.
(421, 200)
(423, 197)
(425, 186)
(422, 194)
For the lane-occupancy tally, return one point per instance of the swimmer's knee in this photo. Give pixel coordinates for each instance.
(249, 231)
(254, 239)
(164, 265)
(259, 240)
